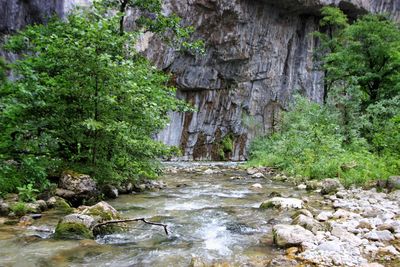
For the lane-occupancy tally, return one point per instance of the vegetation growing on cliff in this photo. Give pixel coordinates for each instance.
(355, 134)
(84, 98)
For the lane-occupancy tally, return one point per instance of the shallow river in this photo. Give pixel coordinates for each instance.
(212, 217)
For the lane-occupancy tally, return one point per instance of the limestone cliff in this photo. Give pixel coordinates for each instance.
(258, 53)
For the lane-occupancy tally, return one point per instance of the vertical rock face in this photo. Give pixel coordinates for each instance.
(16, 14)
(259, 52)
(257, 56)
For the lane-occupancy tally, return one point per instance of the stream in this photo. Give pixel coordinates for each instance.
(212, 217)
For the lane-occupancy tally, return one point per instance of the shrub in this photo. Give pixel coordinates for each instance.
(310, 144)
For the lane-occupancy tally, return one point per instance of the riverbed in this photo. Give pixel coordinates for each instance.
(212, 212)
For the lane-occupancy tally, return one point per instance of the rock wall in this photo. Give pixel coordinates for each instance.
(259, 52)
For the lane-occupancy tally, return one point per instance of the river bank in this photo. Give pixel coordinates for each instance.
(214, 217)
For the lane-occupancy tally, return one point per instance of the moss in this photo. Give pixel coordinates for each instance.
(71, 230)
(62, 206)
(104, 215)
(221, 154)
(267, 205)
(227, 143)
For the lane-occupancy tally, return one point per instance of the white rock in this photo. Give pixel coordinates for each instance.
(86, 220)
(283, 203)
(209, 171)
(345, 236)
(308, 223)
(258, 175)
(302, 187)
(256, 186)
(388, 215)
(375, 235)
(341, 213)
(291, 235)
(251, 171)
(324, 216)
(331, 246)
(370, 249)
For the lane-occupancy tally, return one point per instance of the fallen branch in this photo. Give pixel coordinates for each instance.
(131, 220)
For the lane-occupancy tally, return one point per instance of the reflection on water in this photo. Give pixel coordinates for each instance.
(211, 217)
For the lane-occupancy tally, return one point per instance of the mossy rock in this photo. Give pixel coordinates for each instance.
(103, 211)
(72, 230)
(102, 214)
(267, 205)
(62, 206)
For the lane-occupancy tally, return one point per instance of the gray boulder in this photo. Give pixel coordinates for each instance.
(4, 209)
(309, 223)
(291, 235)
(82, 225)
(75, 226)
(393, 182)
(330, 186)
(110, 191)
(76, 187)
(324, 216)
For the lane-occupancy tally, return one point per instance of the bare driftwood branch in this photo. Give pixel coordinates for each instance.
(131, 220)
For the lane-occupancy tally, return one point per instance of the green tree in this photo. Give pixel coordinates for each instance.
(84, 99)
(332, 24)
(361, 64)
(367, 57)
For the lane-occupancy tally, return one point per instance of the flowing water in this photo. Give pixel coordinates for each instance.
(212, 217)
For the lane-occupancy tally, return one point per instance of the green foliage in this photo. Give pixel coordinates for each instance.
(355, 135)
(84, 100)
(382, 126)
(227, 143)
(333, 17)
(310, 144)
(61, 206)
(20, 209)
(366, 57)
(3, 69)
(27, 193)
(151, 18)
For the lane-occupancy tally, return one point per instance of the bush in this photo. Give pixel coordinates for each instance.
(20, 209)
(27, 193)
(310, 144)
